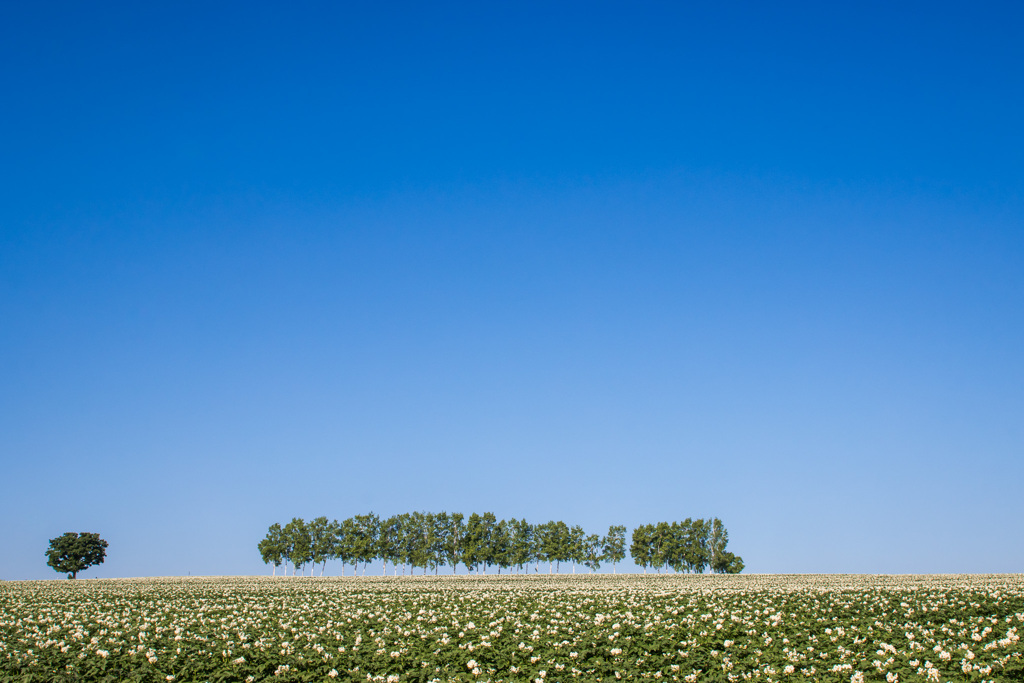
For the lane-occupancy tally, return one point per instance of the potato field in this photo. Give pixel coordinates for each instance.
(515, 628)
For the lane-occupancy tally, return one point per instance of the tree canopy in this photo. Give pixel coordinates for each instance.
(693, 545)
(75, 552)
(428, 541)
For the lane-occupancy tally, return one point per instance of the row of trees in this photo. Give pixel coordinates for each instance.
(693, 545)
(428, 541)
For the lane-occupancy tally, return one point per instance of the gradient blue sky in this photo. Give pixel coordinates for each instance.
(605, 263)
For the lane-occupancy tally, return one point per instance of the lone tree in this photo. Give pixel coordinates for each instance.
(72, 553)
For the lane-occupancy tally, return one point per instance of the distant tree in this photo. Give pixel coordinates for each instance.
(547, 543)
(731, 564)
(428, 542)
(474, 552)
(640, 548)
(287, 542)
(73, 552)
(300, 544)
(699, 535)
(576, 552)
(592, 552)
(345, 543)
(501, 545)
(331, 543)
(614, 546)
(674, 547)
(488, 548)
(440, 537)
(388, 542)
(454, 539)
(366, 539)
(537, 547)
(480, 542)
(555, 544)
(718, 538)
(722, 561)
(431, 533)
(321, 541)
(273, 547)
(521, 544)
(404, 537)
(418, 542)
(689, 541)
(565, 549)
(661, 543)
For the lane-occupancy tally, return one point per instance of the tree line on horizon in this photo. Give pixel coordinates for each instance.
(692, 545)
(428, 541)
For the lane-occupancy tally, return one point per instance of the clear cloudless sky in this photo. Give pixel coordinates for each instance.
(609, 263)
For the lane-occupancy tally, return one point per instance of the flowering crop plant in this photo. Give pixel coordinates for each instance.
(516, 628)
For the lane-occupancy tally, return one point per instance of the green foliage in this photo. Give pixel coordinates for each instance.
(614, 545)
(577, 549)
(592, 552)
(345, 543)
(273, 548)
(453, 538)
(690, 546)
(501, 545)
(727, 563)
(554, 544)
(299, 543)
(472, 551)
(521, 544)
(427, 541)
(367, 531)
(641, 548)
(75, 552)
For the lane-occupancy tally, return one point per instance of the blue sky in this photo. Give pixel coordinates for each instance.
(592, 262)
